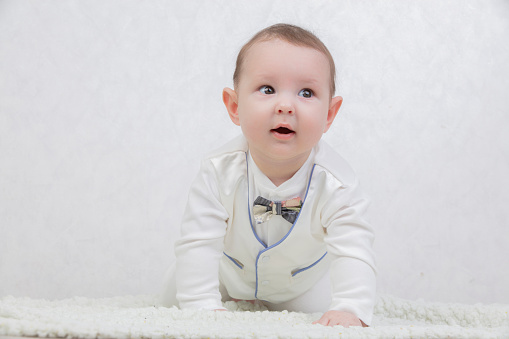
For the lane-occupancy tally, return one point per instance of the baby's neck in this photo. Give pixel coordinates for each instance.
(279, 171)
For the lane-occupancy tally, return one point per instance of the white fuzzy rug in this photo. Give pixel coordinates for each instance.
(140, 317)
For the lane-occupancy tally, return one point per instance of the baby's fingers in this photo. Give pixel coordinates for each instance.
(333, 318)
(324, 320)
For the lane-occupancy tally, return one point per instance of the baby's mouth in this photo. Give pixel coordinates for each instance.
(282, 130)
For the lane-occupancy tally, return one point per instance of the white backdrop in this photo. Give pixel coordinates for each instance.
(107, 107)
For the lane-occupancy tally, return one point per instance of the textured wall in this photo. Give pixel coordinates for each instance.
(106, 108)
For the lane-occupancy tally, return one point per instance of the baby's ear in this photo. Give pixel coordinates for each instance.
(334, 106)
(231, 103)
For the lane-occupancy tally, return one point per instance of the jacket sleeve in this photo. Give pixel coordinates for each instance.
(349, 240)
(200, 247)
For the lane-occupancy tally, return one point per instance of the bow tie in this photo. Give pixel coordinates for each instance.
(264, 209)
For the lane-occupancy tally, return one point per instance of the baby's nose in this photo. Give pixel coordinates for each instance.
(285, 108)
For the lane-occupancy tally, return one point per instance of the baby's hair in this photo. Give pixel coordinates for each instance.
(292, 34)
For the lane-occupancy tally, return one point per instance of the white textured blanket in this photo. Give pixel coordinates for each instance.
(140, 317)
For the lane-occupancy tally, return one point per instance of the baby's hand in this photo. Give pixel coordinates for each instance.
(345, 319)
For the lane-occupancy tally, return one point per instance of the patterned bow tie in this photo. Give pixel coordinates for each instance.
(264, 209)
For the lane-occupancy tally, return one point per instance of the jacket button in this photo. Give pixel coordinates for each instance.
(265, 282)
(266, 258)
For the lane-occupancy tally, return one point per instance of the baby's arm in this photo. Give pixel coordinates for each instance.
(349, 241)
(200, 247)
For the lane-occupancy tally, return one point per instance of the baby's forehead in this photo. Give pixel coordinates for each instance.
(264, 51)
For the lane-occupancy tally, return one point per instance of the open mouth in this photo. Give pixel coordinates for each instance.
(282, 130)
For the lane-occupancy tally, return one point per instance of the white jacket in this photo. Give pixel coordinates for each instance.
(220, 243)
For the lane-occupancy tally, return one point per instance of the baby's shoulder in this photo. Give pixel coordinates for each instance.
(327, 159)
(234, 146)
(231, 155)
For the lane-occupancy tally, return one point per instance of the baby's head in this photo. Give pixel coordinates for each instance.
(291, 34)
(283, 96)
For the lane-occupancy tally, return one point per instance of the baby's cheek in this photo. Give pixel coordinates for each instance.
(314, 128)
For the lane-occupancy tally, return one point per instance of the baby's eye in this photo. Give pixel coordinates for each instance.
(267, 89)
(306, 93)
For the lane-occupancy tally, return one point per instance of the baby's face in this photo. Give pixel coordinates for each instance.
(284, 99)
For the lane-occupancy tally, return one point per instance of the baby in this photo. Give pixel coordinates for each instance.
(276, 215)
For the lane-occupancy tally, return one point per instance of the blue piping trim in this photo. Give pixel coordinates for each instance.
(287, 234)
(256, 271)
(307, 268)
(233, 260)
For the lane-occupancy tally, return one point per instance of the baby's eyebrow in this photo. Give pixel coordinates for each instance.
(311, 81)
(264, 77)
